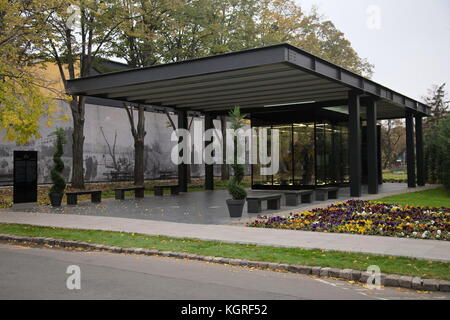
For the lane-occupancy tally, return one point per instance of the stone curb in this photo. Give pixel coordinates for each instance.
(387, 280)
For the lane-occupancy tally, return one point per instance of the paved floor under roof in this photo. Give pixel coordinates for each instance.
(202, 207)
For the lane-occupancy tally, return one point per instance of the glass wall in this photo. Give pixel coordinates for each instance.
(304, 162)
(344, 166)
(257, 178)
(284, 175)
(311, 154)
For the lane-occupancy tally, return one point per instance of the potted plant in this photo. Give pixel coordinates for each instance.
(235, 188)
(59, 184)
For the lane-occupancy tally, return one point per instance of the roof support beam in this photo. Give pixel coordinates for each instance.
(419, 152)
(410, 156)
(209, 168)
(182, 168)
(372, 147)
(354, 127)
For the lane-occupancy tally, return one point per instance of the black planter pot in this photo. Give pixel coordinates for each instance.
(235, 207)
(56, 198)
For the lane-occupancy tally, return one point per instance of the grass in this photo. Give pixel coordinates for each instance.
(394, 176)
(429, 198)
(387, 264)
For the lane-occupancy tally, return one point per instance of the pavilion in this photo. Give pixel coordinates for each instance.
(327, 115)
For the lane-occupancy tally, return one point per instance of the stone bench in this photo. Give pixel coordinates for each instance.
(138, 192)
(294, 198)
(323, 194)
(72, 197)
(254, 202)
(174, 189)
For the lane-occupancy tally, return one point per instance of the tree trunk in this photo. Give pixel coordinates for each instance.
(188, 173)
(77, 107)
(139, 162)
(225, 169)
(138, 136)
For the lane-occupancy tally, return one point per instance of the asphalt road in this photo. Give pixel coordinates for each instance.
(40, 273)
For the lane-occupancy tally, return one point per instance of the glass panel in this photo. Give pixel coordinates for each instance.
(321, 172)
(304, 154)
(329, 155)
(345, 176)
(335, 155)
(259, 179)
(284, 175)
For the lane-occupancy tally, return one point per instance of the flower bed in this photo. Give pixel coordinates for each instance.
(369, 218)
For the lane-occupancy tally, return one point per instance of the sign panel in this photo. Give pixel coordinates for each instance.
(25, 176)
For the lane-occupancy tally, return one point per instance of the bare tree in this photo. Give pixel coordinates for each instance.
(112, 151)
(138, 133)
(392, 142)
(75, 49)
(172, 124)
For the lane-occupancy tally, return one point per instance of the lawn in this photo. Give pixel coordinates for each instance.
(429, 198)
(387, 264)
(394, 176)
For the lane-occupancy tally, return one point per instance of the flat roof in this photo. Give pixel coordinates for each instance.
(269, 77)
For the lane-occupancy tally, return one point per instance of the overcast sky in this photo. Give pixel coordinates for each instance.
(408, 41)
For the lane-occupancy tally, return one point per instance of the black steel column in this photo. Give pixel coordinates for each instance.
(410, 156)
(419, 152)
(182, 168)
(380, 166)
(209, 168)
(372, 147)
(354, 128)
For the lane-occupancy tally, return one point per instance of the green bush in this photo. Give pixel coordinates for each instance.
(236, 191)
(437, 154)
(59, 184)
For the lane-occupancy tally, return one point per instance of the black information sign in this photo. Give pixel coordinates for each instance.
(25, 176)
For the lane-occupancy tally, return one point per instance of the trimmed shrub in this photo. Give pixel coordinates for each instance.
(236, 191)
(59, 183)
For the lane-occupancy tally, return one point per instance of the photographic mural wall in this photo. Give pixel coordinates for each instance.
(108, 147)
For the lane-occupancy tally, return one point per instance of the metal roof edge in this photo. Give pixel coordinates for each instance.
(312, 63)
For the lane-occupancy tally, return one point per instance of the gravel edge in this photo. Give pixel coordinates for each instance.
(387, 280)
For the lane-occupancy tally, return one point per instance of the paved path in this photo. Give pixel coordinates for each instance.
(31, 273)
(422, 249)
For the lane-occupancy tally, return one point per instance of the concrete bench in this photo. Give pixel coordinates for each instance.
(254, 202)
(294, 198)
(72, 197)
(323, 194)
(138, 192)
(174, 190)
